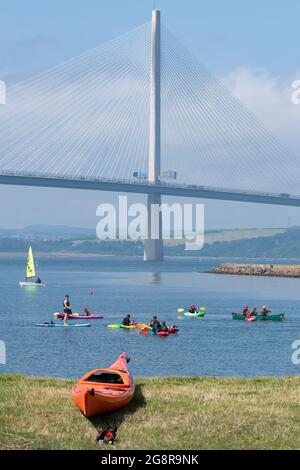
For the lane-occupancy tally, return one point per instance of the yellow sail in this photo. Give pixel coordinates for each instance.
(30, 269)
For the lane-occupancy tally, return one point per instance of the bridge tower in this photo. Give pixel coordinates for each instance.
(154, 246)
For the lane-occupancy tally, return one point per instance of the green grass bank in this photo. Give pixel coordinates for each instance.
(167, 413)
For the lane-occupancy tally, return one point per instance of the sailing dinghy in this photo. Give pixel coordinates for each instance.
(30, 272)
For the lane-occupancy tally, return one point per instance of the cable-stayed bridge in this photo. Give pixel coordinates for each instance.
(117, 117)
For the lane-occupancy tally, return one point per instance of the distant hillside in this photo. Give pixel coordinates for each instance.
(281, 245)
(49, 231)
(284, 243)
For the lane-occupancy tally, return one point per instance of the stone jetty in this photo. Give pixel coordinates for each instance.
(280, 270)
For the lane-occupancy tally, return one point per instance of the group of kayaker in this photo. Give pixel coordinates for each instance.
(154, 323)
(157, 325)
(247, 312)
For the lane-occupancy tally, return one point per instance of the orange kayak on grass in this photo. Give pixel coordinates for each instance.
(104, 390)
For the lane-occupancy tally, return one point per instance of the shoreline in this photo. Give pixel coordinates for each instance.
(69, 254)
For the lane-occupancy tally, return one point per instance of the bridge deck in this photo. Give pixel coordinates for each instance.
(145, 187)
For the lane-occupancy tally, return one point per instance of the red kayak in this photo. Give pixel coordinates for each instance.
(172, 330)
(250, 318)
(79, 317)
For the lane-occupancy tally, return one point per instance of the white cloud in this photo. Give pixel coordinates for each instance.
(269, 98)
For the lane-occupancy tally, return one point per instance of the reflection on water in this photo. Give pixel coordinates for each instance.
(154, 278)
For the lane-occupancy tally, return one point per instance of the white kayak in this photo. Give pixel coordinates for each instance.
(31, 284)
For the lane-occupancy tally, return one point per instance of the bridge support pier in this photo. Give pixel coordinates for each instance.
(154, 244)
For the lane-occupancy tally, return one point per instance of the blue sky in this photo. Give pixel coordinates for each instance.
(223, 34)
(226, 36)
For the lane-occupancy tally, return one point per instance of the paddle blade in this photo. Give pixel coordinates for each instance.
(202, 309)
(179, 310)
(180, 317)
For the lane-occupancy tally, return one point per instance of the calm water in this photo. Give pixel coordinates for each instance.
(215, 345)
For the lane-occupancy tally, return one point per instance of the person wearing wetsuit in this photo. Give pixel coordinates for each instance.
(246, 311)
(154, 323)
(86, 312)
(193, 308)
(264, 311)
(164, 327)
(127, 321)
(67, 308)
(253, 312)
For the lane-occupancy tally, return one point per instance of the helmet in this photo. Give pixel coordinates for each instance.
(85, 309)
(154, 317)
(193, 305)
(264, 306)
(67, 296)
(128, 316)
(246, 306)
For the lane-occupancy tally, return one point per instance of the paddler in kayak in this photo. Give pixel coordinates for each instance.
(264, 311)
(155, 323)
(246, 312)
(253, 312)
(67, 308)
(163, 327)
(127, 321)
(86, 312)
(193, 308)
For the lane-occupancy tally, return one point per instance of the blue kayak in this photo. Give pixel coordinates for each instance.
(61, 325)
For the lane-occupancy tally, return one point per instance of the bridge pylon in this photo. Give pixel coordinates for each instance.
(154, 246)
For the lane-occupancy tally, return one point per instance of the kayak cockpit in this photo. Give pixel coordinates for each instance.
(105, 377)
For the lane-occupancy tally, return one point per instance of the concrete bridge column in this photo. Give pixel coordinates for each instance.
(154, 247)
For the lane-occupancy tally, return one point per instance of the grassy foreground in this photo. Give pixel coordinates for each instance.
(167, 413)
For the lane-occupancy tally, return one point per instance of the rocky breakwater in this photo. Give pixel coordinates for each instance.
(281, 270)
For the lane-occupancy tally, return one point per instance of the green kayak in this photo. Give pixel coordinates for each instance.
(195, 315)
(277, 317)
